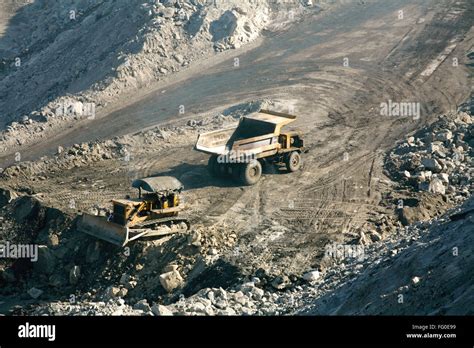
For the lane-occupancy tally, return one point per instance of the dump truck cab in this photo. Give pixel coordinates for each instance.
(291, 141)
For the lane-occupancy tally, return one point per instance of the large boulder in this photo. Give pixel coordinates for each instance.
(171, 280)
(112, 292)
(437, 186)
(142, 306)
(74, 275)
(167, 12)
(311, 276)
(409, 215)
(35, 293)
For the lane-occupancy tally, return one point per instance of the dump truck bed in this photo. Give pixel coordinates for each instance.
(255, 134)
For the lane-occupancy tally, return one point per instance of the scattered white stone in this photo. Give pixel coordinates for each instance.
(444, 178)
(311, 276)
(436, 186)
(160, 310)
(444, 135)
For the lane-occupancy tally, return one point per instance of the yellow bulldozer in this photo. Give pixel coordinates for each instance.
(153, 213)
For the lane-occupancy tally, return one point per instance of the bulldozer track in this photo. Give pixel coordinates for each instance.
(149, 224)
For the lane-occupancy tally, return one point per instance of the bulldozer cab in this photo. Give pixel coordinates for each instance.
(154, 195)
(159, 192)
(160, 184)
(157, 205)
(162, 200)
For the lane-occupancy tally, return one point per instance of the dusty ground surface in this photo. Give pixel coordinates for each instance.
(278, 230)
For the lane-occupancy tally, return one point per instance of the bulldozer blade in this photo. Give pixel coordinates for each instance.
(100, 228)
(164, 226)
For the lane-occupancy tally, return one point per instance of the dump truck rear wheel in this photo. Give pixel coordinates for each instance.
(251, 173)
(293, 161)
(222, 170)
(236, 171)
(212, 166)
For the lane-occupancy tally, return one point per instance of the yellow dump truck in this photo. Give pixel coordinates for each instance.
(257, 140)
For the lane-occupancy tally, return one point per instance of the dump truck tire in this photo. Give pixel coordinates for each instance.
(212, 166)
(293, 161)
(223, 170)
(236, 171)
(251, 173)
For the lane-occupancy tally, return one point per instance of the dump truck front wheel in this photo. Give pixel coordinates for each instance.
(293, 161)
(251, 173)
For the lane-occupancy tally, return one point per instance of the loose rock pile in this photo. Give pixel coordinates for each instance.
(248, 299)
(75, 156)
(438, 159)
